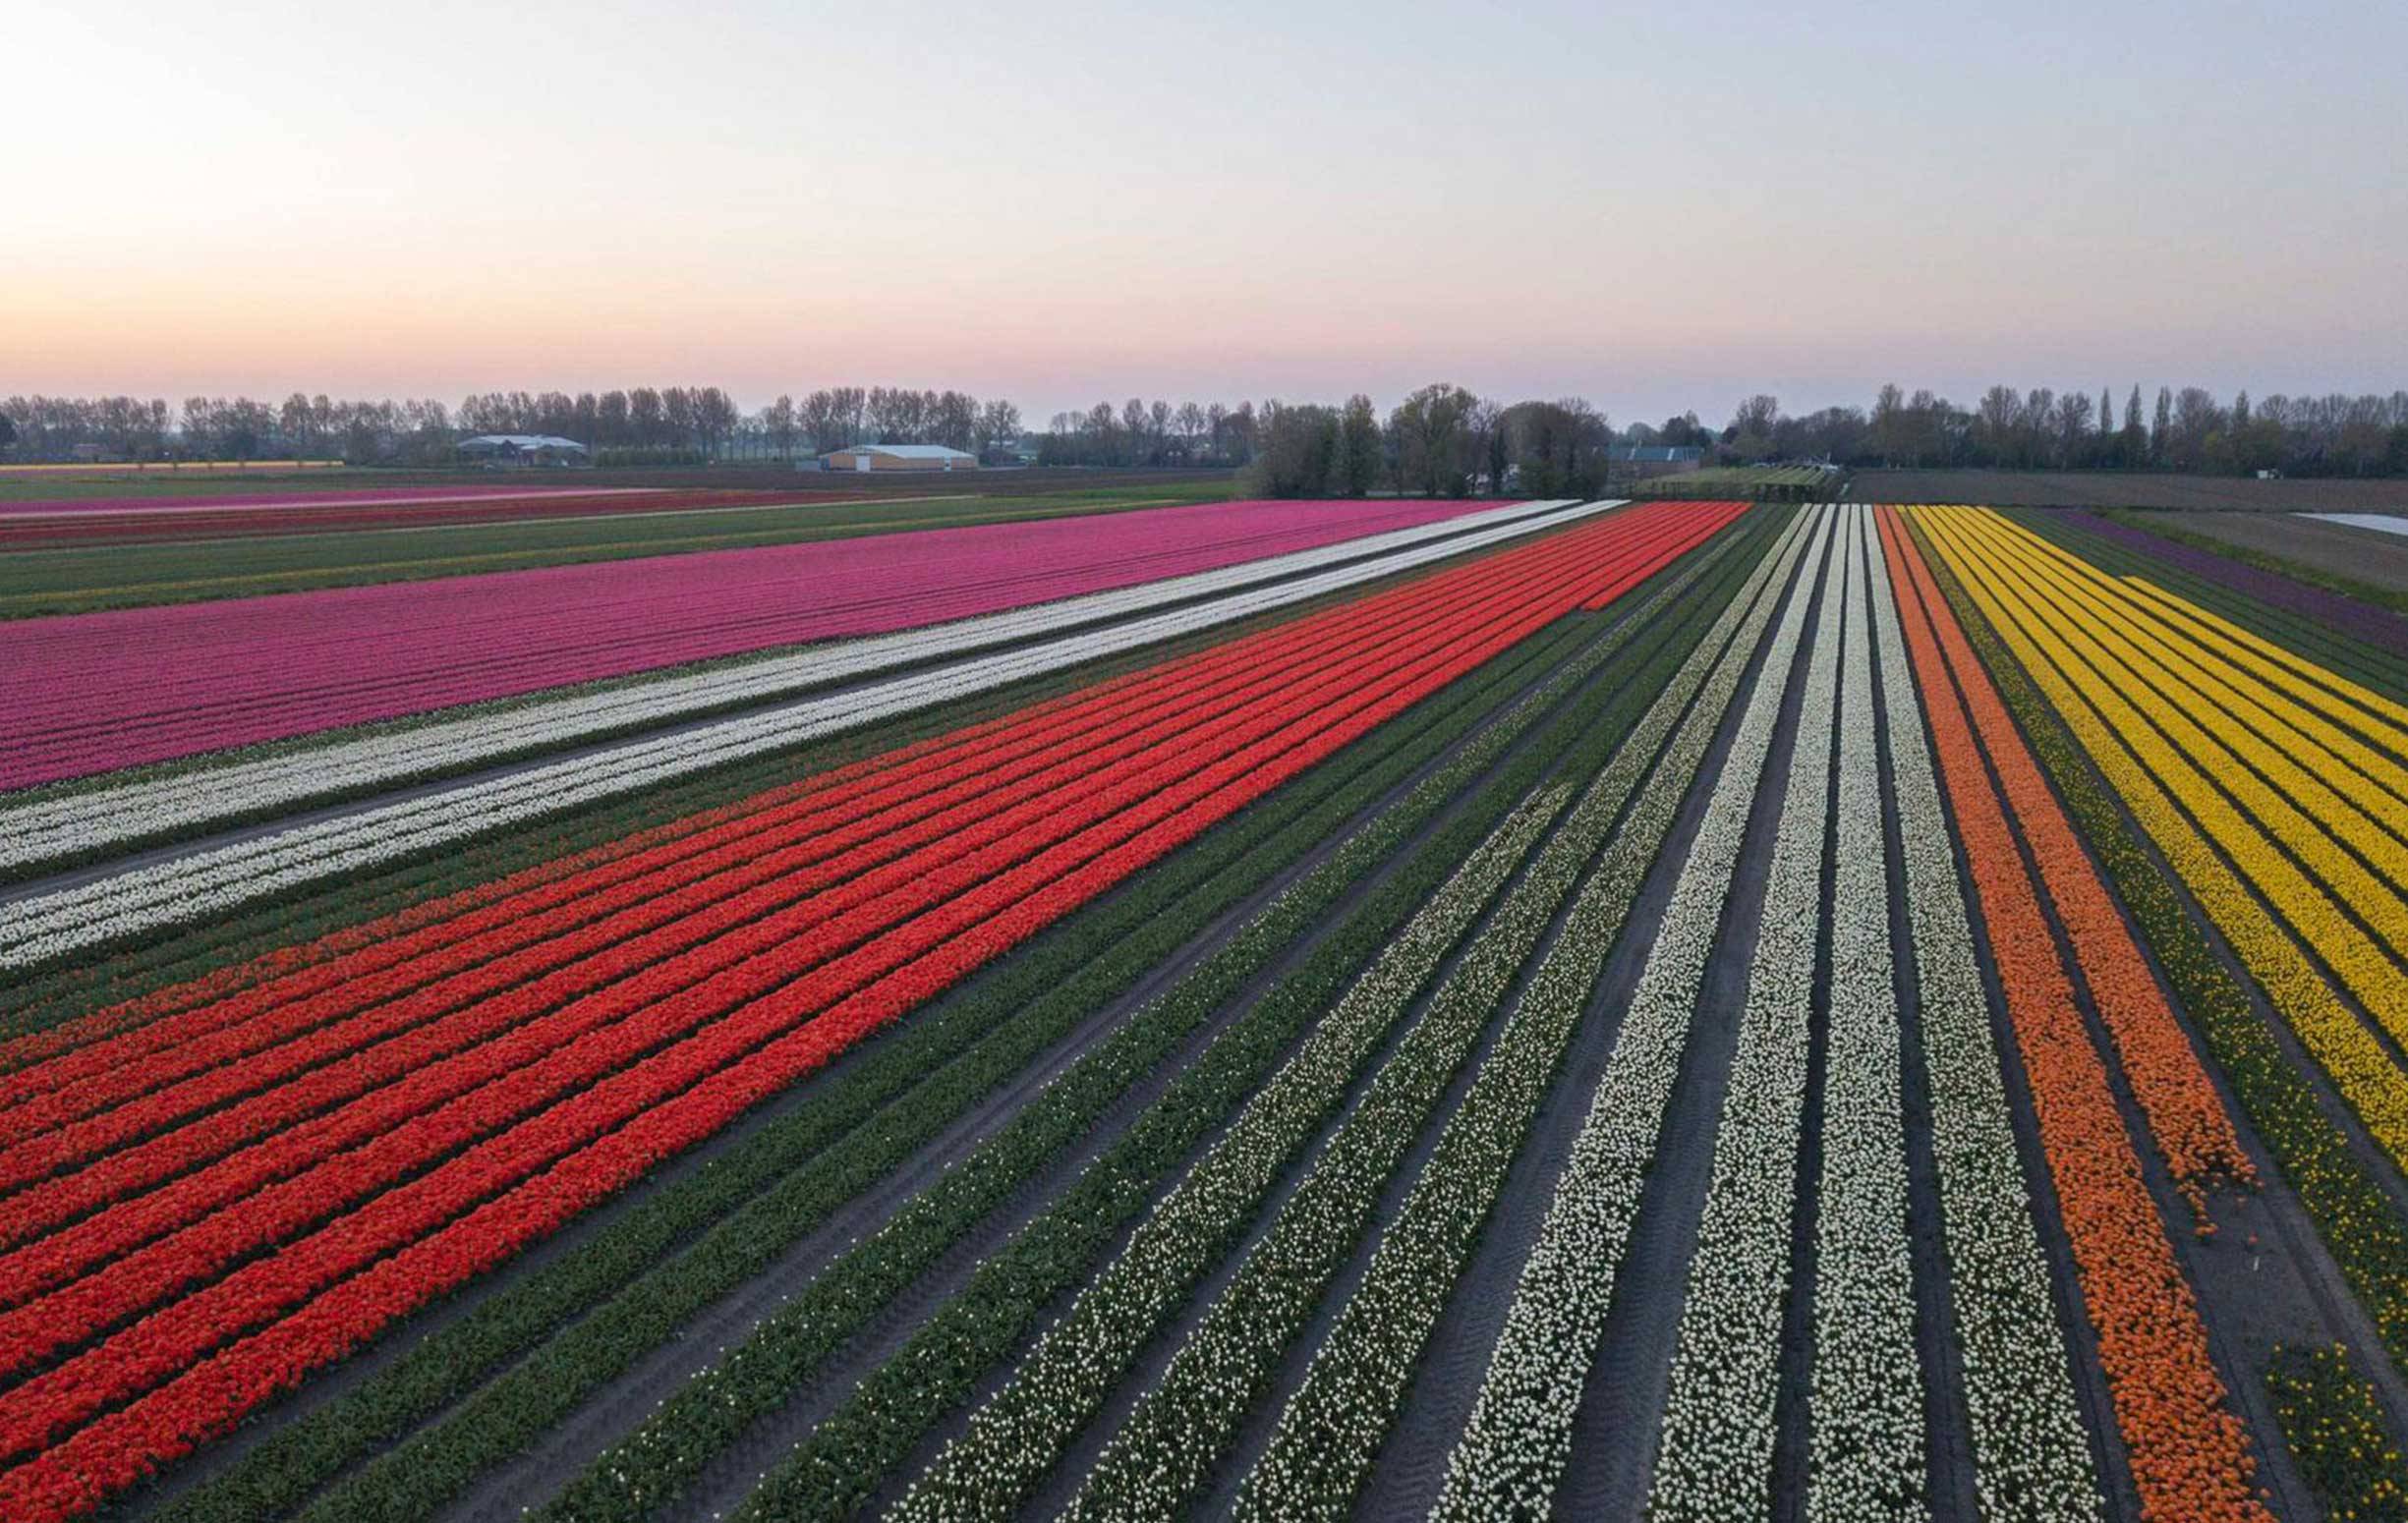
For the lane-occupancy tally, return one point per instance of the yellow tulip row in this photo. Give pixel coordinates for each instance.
(2286, 706)
(2151, 775)
(2285, 797)
(2360, 706)
(2277, 707)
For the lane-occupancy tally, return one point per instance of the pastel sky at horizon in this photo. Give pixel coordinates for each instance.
(1657, 207)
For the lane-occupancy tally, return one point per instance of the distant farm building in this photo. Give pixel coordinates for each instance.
(523, 451)
(1675, 455)
(899, 457)
(1638, 461)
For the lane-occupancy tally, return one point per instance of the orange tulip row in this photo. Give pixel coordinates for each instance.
(2187, 1117)
(2189, 1452)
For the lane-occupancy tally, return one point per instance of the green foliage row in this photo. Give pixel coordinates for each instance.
(1777, 483)
(2338, 1433)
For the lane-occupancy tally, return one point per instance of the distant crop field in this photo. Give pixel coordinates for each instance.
(2127, 489)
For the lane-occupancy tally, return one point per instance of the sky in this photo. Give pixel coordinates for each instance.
(1659, 207)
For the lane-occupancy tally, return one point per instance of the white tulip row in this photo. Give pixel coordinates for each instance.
(213, 791)
(1519, 1437)
(207, 880)
(1184, 1424)
(1330, 1434)
(1866, 1410)
(1022, 1429)
(1715, 1459)
(2030, 1459)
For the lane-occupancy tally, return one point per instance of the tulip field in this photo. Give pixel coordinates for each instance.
(1465, 1011)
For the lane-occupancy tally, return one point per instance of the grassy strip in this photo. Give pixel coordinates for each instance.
(2338, 1433)
(2352, 657)
(879, 1426)
(967, 1045)
(42, 581)
(881, 1111)
(51, 996)
(2341, 1192)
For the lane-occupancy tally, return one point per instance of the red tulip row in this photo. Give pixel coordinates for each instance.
(1103, 837)
(767, 910)
(866, 821)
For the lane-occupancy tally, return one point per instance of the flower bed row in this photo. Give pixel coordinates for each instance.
(1329, 1433)
(2356, 1216)
(98, 821)
(1020, 1432)
(491, 921)
(2273, 840)
(759, 1198)
(1519, 1437)
(1014, 1440)
(2032, 1458)
(1715, 1455)
(2377, 627)
(2339, 1434)
(2187, 1118)
(2246, 749)
(849, 1452)
(99, 691)
(637, 1004)
(209, 881)
(2323, 641)
(2294, 674)
(2189, 1452)
(64, 1006)
(1865, 1403)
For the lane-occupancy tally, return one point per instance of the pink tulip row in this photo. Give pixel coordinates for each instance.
(92, 692)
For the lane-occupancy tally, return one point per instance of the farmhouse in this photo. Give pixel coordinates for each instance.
(518, 451)
(899, 457)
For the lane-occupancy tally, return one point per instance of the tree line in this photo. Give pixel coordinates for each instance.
(1443, 438)
(2186, 430)
(636, 424)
